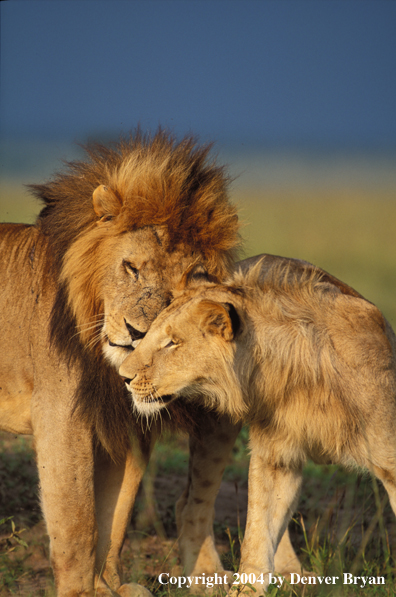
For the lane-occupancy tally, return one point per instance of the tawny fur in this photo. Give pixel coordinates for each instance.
(117, 232)
(307, 362)
(172, 187)
(159, 182)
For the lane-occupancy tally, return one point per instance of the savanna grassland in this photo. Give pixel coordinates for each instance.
(344, 522)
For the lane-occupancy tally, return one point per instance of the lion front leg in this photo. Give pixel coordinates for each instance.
(209, 456)
(273, 495)
(86, 531)
(65, 465)
(116, 486)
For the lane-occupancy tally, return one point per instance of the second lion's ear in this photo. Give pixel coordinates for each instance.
(106, 204)
(234, 318)
(219, 319)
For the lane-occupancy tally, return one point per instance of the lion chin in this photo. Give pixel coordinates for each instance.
(151, 403)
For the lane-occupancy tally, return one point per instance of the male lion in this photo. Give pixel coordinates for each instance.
(78, 289)
(299, 356)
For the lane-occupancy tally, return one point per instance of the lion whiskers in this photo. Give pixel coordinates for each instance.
(83, 328)
(95, 340)
(98, 316)
(87, 328)
(150, 417)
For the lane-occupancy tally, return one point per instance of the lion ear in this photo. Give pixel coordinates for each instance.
(219, 319)
(106, 204)
(196, 273)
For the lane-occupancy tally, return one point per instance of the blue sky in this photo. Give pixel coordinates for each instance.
(258, 72)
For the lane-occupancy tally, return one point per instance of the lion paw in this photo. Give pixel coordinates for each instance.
(133, 590)
(229, 577)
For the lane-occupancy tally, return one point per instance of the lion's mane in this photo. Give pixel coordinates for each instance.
(158, 181)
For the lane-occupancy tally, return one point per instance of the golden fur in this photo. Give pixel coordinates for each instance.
(158, 182)
(309, 364)
(79, 288)
(153, 182)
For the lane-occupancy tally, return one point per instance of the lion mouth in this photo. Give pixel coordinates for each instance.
(135, 342)
(142, 398)
(150, 399)
(136, 336)
(129, 347)
(126, 346)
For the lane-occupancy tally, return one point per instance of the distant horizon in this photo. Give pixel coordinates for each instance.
(267, 142)
(252, 165)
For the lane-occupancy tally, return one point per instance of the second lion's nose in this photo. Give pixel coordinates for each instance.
(128, 380)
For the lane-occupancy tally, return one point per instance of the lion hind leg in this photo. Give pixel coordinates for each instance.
(116, 486)
(388, 479)
(286, 560)
(195, 509)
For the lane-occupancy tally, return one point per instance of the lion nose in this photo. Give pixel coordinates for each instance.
(133, 332)
(128, 380)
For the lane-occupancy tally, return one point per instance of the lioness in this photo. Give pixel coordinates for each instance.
(78, 289)
(301, 357)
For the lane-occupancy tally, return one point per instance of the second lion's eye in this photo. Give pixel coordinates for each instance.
(131, 269)
(170, 344)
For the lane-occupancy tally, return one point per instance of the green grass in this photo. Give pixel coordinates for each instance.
(18, 480)
(332, 530)
(344, 524)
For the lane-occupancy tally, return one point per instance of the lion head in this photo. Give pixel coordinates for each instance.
(190, 352)
(125, 224)
(268, 347)
(122, 227)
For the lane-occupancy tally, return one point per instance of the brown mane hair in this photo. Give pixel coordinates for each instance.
(158, 182)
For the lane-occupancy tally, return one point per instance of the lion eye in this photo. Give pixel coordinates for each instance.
(170, 344)
(131, 269)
